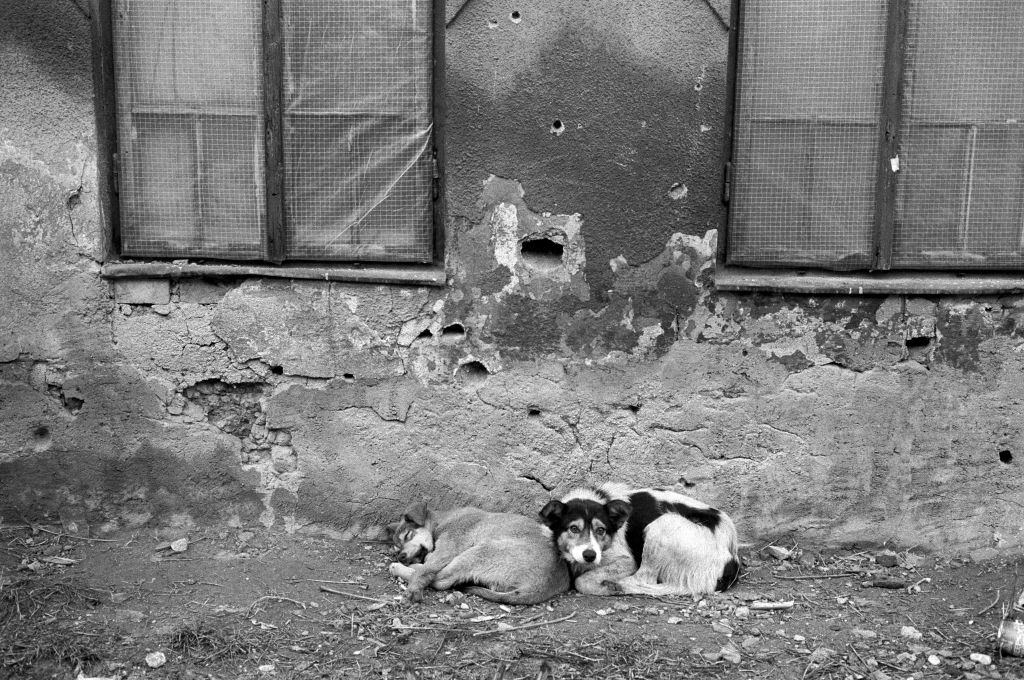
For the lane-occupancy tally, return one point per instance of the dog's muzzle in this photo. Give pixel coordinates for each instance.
(413, 558)
(589, 556)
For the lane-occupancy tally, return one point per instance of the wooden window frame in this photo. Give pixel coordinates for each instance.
(881, 279)
(104, 86)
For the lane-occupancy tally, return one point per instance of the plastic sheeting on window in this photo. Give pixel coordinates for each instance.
(357, 135)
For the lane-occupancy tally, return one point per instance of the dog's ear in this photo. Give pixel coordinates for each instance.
(390, 530)
(552, 513)
(618, 511)
(416, 514)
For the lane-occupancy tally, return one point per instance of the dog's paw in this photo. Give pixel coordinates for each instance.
(414, 595)
(612, 587)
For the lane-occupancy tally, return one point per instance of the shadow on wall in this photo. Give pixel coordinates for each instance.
(587, 131)
(152, 483)
(54, 37)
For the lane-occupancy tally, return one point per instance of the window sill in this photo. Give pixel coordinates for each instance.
(882, 283)
(408, 274)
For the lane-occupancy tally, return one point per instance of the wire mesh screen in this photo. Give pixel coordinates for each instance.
(357, 126)
(960, 188)
(190, 127)
(806, 127)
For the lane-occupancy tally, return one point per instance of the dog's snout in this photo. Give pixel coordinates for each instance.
(413, 558)
(589, 555)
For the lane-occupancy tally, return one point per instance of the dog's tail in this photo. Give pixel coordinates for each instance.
(508, 596)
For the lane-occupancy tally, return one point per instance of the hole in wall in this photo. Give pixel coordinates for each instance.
(41, 439)
(542, 252)
(72, 404)
(277, 370)
(472, 372)
(1005, 457)
(918, 342)
(635, 408)
(557, 127)
(515, 17)
(452, 333)
(492, 23)
(533, 412)
(425, 335)
(348, 377)
(686, 483)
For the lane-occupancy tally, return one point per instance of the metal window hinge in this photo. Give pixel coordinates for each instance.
(436, 175)
(727, 183)
(115, 163)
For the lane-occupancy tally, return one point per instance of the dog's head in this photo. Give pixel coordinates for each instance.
(584, 527)
(413, 534)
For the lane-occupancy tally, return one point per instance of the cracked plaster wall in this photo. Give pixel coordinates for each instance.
(579, 338)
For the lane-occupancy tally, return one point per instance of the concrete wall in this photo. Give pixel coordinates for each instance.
(299, 403)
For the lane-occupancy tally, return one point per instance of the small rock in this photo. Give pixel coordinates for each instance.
(934, 659)
(911, 633)
(749, 642)
(862, 633)
(806, 559)
(778, 553)
(180, 545)
(730, 653)
(984, 554)
(155, 659)
(822, 653)
(886, 559)
(721, 627)
(673, 620)
(742, 613)
(983, 659)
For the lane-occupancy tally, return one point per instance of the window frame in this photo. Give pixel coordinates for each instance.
(114, 265)
(880, 279)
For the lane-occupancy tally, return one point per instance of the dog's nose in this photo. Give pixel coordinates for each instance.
(589, 555)
(416, 558)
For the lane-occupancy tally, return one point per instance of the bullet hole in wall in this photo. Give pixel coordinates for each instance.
(542, 252)
(41, 439)
(557, 127)
(349, 377)
(492, 23)
(453, 332)
(1005, 457)
(515, 17)
(472, 372)
(72, 404)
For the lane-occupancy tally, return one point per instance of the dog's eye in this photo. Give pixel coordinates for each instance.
(574, 530)
(599, 531)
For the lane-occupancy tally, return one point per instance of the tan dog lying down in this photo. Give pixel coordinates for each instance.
(500, 557)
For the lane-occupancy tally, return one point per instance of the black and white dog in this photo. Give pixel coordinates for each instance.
(643, 541)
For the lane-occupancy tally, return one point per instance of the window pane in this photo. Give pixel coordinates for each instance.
(357, 100)
(808, 105)
(190, 131)
(961, 186)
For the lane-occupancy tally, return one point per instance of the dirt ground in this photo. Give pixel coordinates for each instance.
(256, 603)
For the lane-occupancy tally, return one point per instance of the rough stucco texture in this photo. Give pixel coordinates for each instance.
(580, 337)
